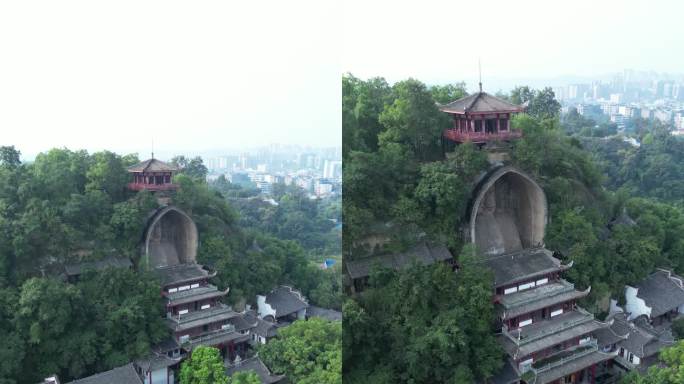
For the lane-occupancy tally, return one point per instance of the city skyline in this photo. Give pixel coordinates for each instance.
(441, 42)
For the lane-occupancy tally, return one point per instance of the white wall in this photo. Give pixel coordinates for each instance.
(635, 306)
(159, 376)
(264, 309)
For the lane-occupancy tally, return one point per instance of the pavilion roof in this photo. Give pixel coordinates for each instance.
(152, 165)
(480, 103)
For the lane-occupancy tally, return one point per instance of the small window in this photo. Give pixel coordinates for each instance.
(173, 290)
(184, 338)
(194, 285)
(182, 311)
(524, 323)
(205, 306)
(510, 290)
(184, 288)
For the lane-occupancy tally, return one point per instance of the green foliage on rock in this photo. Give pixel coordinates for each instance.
(424, 325)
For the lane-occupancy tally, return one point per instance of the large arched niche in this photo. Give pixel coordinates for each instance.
(508, 213)
(170, 238)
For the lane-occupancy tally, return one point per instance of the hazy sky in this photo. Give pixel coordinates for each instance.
(192, 75)
(440, 41)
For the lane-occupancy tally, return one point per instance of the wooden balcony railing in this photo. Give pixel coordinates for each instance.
(480, 137)
(152, 187)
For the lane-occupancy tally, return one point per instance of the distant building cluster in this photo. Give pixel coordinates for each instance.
(318, 172)
(630, 94)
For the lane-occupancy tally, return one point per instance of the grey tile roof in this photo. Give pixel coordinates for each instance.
(329, 314)
(516, 304)
(199, 318)
(152, 165)
(480, 102)
(108, 262)
(265, 328)
(423, 253)
(514, 267)
(286, 300)
(642, 339)
(243, 322)
(121, 375)
(507, 375)
(257, 366)
(607, 336)
(216, 338)
(181, 273)
(156, 361)
(571, 367)
(195, 294)
(662, 291)
(548, 341)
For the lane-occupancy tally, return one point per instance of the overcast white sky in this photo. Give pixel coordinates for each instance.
(206, 75)
(192, 75)
(440, 41)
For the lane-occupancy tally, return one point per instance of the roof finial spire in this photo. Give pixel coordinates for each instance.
(479, 66)
(153, 147)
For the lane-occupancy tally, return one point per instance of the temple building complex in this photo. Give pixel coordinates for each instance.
(547, 337)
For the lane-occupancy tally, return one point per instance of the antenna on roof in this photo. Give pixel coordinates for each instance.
(479, 66)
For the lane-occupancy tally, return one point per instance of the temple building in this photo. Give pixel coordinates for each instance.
(194, 313)
(481, 118)
(659, 297)
(283, 304)
(152, 175)
(547, 337)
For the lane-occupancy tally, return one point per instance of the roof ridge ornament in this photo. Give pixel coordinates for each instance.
(479, 65)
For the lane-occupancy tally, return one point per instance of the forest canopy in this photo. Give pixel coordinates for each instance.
(71, 206)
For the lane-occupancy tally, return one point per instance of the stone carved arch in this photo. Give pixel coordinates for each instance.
(508, 213)
(170, 238)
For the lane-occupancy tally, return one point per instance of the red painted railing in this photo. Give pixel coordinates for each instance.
(480, 137)
(152, 187)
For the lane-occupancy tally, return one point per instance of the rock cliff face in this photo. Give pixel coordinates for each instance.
(170, 238)
(508, 212)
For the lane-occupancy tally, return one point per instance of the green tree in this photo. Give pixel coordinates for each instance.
(244, 378)
(307, 352)
(413, 120)
(107, 173)
(9, 157)
(204, 366)
(445, 94)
